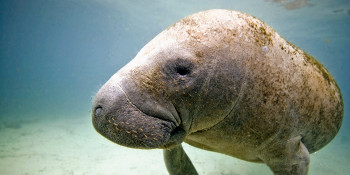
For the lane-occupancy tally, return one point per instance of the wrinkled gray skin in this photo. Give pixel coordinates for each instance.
(226, 82)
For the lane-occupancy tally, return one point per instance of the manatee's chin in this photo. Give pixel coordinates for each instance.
(140, 131)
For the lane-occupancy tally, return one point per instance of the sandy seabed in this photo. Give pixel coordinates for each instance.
(71, 146)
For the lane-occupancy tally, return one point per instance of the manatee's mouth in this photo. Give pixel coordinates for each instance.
(119, 120)
(153, 132)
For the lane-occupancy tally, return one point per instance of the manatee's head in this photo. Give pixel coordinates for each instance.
(147, 103)
(168, 91)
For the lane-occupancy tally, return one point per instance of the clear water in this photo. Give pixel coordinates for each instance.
(54, 56)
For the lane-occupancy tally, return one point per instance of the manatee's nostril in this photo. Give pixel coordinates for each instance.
(98, 111)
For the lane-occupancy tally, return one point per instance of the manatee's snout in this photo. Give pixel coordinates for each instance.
(116, 117)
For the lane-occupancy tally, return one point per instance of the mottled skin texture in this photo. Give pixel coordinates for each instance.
(222, 81)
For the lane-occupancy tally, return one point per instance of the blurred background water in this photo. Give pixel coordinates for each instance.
(55, 54)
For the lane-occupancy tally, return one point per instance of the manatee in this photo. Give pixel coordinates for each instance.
(226, 82)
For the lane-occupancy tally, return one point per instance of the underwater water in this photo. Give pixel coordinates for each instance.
(56, 54)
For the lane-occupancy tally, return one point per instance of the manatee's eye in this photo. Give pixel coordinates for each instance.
(182, 70)
(179, 68)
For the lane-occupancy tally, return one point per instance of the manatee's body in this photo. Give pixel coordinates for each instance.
(223, 81)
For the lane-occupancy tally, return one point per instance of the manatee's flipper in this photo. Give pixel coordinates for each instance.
(290, 158)
(177, 162)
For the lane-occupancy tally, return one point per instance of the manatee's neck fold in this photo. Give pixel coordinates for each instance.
(205, 88)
